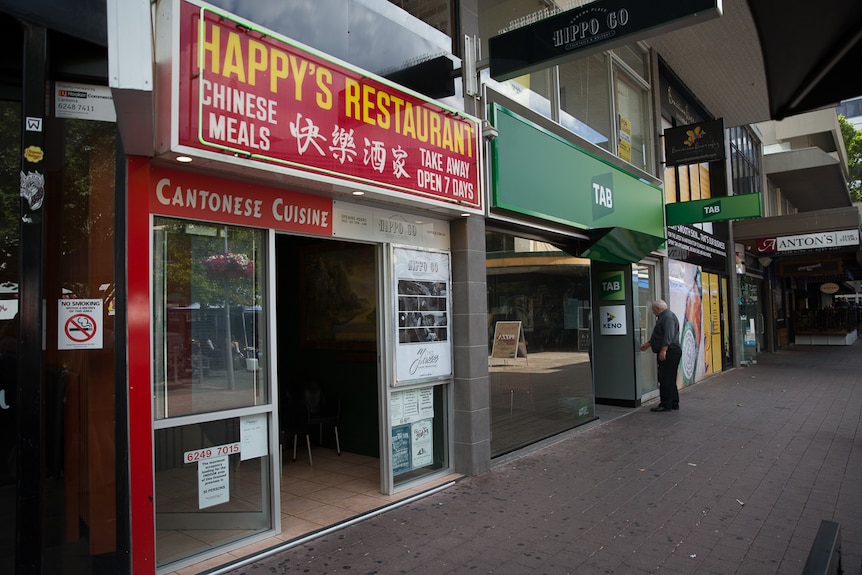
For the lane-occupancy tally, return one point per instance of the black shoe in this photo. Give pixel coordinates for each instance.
(675, 406)
(659, 408)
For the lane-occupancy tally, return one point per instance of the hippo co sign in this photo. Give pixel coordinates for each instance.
(550, 38)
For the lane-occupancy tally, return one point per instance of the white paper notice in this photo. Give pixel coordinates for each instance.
(426, 403)
(213, 482)
(421, 444)
(252, 436)
(396, 408)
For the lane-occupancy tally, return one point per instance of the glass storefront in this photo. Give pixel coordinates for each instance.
(751, 326)
(546, 386)
(211, 387)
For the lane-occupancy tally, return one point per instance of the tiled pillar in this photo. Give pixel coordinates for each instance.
(472, 454)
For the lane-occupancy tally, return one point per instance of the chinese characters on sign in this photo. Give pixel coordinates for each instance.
(254, 95)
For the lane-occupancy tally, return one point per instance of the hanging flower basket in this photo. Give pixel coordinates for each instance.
(228, 266)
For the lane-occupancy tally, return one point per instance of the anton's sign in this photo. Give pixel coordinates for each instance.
(591, 28)
(820, 241)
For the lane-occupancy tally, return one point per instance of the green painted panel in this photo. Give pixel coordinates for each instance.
(537, 173)
(714, 209)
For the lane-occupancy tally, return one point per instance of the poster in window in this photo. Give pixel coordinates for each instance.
(421, 444)
(422, 285)
(213, 482)
(400, 449)
(411, 405)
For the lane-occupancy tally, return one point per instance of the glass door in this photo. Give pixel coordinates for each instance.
(644, 277)
(213, 423)
(10, 126)
(750, 319)
(77, 475)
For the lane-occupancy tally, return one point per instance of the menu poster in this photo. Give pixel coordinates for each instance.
(401, 449)
(421, 443)
(422, 284)
(252, 433)
(411, 405)
(411, 415)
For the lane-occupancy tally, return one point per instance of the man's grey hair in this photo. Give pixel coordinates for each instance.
(659, 305)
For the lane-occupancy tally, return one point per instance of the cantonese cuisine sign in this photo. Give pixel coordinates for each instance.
(250, 93)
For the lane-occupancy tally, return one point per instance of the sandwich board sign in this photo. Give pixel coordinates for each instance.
(508, 341)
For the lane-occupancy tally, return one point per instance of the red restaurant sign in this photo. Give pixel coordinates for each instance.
(249, 93)
(205, 198)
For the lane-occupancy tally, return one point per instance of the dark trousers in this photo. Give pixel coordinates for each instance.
(667, 370)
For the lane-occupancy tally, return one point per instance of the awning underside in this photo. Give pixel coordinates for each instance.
(620, 245)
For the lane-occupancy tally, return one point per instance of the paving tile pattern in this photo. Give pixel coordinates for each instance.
(736, 482)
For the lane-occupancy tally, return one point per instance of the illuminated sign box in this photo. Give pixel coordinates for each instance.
(243, 95)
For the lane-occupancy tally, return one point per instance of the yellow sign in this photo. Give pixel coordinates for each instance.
(625, 151)
(625, 141)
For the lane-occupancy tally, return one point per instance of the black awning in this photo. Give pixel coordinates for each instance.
(811, 52)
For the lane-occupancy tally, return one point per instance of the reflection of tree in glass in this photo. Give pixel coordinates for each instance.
(329, 293)
(10, 199)
(87, 193)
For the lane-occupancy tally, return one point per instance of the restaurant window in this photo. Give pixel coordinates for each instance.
(212, 455)
(209, 327)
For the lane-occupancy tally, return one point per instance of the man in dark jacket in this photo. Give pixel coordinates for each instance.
(664, 341)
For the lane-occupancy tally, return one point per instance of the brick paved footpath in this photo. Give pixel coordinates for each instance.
(736, 482)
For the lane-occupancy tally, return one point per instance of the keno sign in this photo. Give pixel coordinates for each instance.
(252, 95)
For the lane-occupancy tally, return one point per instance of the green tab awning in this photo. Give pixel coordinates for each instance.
(620, 245)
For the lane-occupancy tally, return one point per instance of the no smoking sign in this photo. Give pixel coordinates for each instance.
(79, 324)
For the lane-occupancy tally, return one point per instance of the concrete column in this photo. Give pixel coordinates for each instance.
(472, 409)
